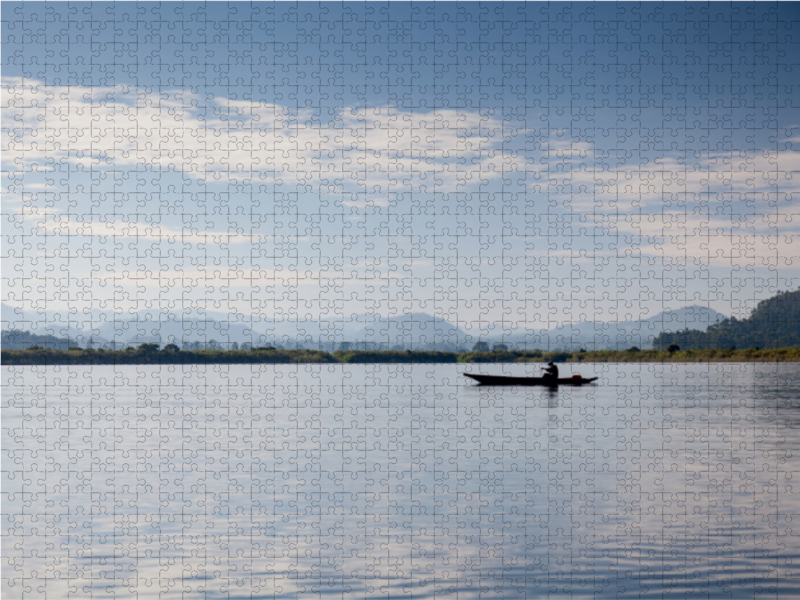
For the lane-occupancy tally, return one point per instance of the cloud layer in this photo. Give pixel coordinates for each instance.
(557, 201)
(376, 150)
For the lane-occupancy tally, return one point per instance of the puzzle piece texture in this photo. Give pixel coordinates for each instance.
(207, 182)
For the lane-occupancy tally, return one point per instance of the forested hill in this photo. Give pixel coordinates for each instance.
(775, 323)
(21, 340)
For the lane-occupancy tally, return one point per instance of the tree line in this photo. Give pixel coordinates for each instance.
(172, 355)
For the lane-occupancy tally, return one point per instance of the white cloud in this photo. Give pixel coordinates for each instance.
(760, 241)
(64, 225)
(366, 154)
(243, 278)
(763, 176)
(53, 223)
(377, 150)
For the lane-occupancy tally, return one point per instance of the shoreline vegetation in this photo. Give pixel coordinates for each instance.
(171, 355)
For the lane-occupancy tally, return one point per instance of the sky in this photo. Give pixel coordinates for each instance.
(531, 164)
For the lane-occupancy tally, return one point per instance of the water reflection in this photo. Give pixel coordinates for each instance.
(552, 397)
(398, 480)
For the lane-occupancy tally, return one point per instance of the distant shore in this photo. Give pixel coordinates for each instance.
(151, 355)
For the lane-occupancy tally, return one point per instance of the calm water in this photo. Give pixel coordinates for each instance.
(399, 481)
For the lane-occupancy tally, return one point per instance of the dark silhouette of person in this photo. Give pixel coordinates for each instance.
(551, 372)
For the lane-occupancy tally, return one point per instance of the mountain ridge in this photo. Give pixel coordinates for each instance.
(774, 323)
(414, 330)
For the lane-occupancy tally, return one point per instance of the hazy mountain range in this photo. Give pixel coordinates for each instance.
(410, 331)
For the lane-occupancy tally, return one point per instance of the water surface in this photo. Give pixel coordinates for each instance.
(265, 481)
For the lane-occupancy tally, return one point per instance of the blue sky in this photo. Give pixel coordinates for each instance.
(482, 162)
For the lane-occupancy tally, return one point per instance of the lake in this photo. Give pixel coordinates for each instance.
(378, 481)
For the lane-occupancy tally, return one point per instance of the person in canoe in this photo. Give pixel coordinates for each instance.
(551, 371)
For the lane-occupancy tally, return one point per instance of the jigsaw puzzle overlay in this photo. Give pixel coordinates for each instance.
(199, 180)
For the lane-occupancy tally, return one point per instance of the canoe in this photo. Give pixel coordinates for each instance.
(502, 380)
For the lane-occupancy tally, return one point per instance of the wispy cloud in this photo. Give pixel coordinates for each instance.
(65, 225)
(592, 181)
(376, 151)
(734, 240)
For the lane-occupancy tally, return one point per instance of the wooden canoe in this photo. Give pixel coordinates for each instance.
(503, 380)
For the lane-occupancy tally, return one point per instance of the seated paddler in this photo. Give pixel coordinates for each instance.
(551, 371)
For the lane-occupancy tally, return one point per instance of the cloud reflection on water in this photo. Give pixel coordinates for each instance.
(231, 481)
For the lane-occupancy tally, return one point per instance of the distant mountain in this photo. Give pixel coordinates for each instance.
(683, 317)
(414, 331)
(775, 323)
(110, 329)
(625, 334)
(74, 326)
(178, 331)
(240, 329)
(22, 340)
(419, 331)
(424, 331)
(600, 335)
